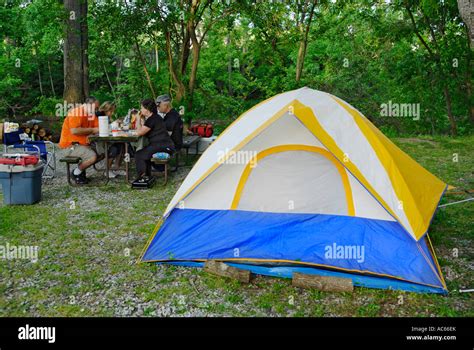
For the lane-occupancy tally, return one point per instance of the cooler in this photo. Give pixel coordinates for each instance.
(21, 184)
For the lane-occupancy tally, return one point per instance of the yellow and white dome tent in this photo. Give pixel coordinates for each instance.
(305, 181)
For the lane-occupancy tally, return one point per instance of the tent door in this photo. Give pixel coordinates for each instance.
(298, 179)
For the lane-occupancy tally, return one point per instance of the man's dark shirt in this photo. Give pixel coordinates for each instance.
(174, 124)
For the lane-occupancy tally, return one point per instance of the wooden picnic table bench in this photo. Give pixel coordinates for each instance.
(190, 141)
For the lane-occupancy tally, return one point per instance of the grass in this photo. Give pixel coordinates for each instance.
(89, 239)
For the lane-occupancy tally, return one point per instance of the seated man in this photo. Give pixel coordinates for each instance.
(172, 119)
(79, 123)
(173, 123)
(158, 139)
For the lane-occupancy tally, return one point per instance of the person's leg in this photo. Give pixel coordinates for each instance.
(148, 167)
(109, 162)
(151, 150)
(142, 159)
(88, 157)
(119, 155)
(114, 151)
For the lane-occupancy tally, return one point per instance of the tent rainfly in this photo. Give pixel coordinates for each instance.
(303, 182)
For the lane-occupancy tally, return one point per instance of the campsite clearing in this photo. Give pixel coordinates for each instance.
(89, 238)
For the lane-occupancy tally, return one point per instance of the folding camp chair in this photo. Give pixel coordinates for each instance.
(11, 139)
(47, 152)
(45, 149)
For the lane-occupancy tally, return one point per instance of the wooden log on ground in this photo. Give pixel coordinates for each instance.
(220, 269)
(324, 283)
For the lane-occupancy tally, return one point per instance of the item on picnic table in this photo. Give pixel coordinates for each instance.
(202, 129)
(129, 120)
(133, 118)
(115, 128)
(103, 126)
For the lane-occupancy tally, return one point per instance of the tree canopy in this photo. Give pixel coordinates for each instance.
(218, 58)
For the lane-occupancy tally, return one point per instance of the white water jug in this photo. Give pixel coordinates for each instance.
(103, 126)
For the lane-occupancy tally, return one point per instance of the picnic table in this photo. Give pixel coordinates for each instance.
(188, 142)
(108, 140)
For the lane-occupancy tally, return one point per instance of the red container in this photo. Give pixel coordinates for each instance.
(203, 130)
(19, 160)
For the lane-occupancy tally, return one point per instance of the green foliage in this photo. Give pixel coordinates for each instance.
(367, 52)
(47, 106)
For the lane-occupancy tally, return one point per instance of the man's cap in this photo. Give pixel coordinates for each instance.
(163, 98)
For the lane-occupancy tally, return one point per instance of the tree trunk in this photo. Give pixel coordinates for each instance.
(229, 66)
(466, 10)
(470, 106)
(452, 121)
(435, 57)
(51, 79)
(73, 54)
(304, 41)
(119, 71)
(443, 77)
(447, 95)
(85, 48)
(180, 88)
(39, 81)
(108, 77)
(147, 74)
(300, 60)
(196, 49)
(185, 53)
